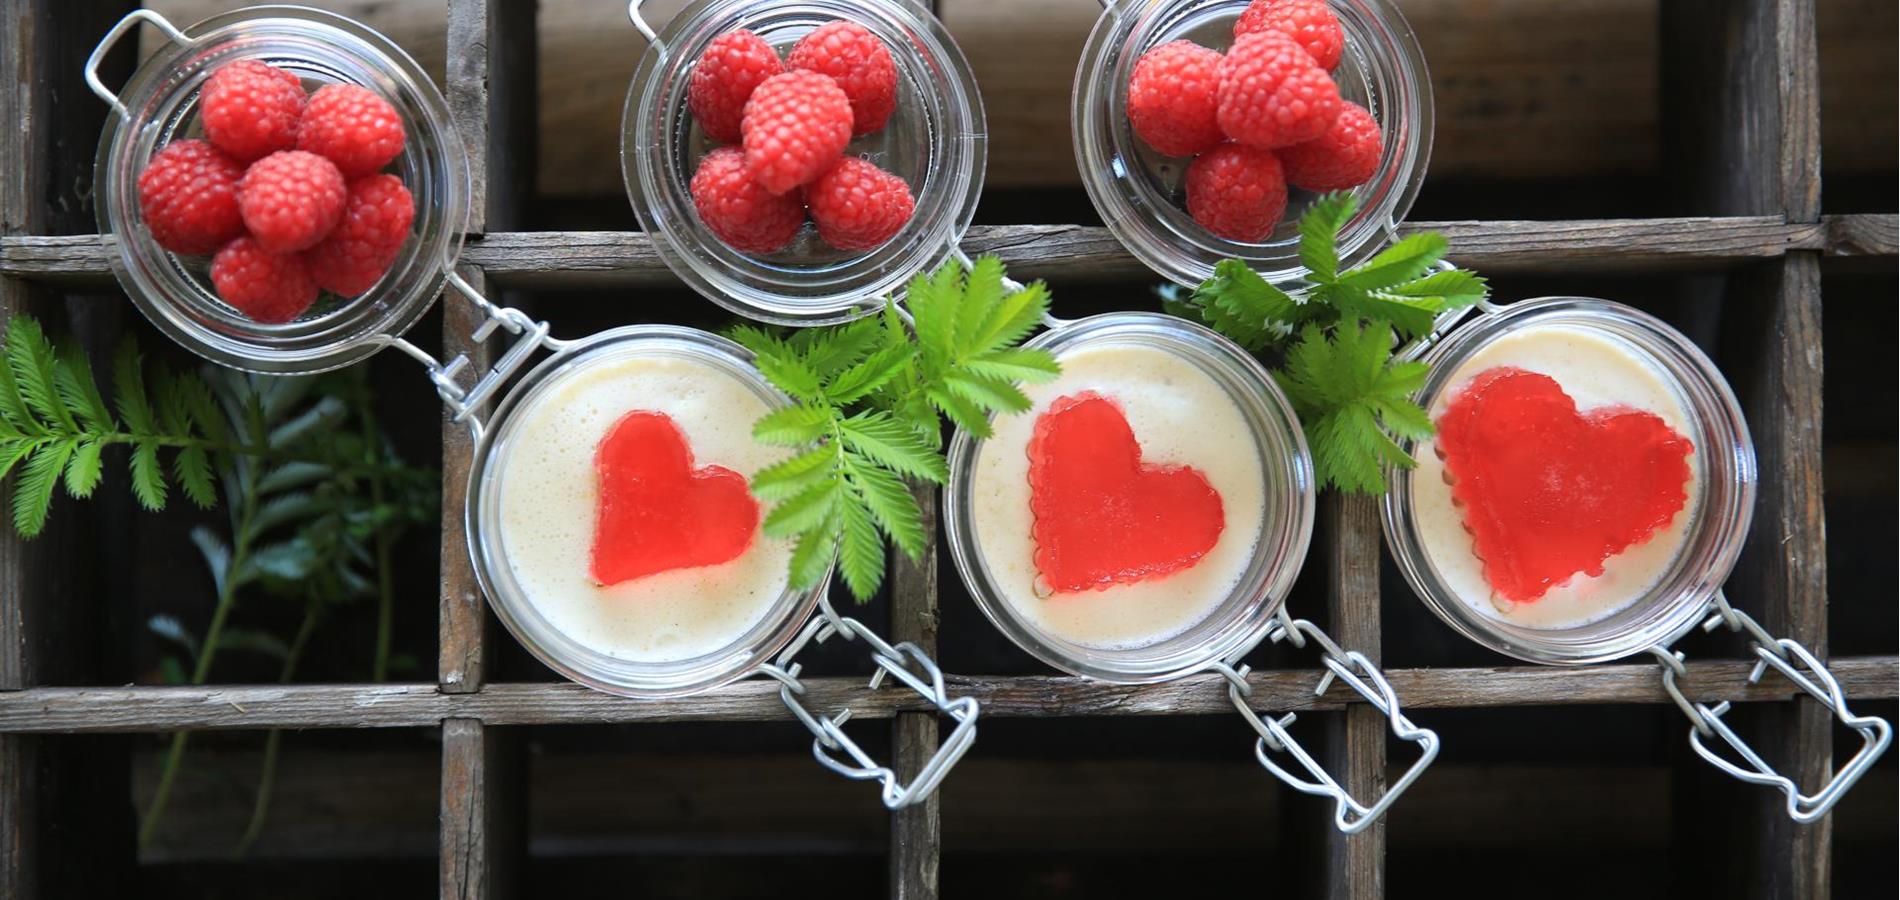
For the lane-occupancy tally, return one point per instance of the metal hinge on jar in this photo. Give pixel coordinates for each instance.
(530, 336)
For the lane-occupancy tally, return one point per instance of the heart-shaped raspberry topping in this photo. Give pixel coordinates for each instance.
(658, 513)
(1549, 492)
(1102, 517)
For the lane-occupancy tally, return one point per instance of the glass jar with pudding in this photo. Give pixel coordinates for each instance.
(1145, 519)
(609, 516)
(1585, 495)
(930, 134)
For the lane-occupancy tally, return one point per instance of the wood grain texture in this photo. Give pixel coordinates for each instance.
(469, 818)
(916, 849)
(1355, 749)
(143, 708)
(463, 620)
(557, 260)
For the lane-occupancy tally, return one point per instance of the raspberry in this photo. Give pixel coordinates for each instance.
(1172, 98)
(1236, 192)
(1309, 22)
(250, 110)
(732, 66)
(188, 194)
(375, 225)
(272, 288)
(1272, 94)
(795, 127)
(858, 206)
(1345, 156)
(291, 199)
(859, 62)
(740, 212)
(352, 127)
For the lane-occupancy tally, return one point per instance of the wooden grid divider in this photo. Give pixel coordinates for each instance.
(1755, 143)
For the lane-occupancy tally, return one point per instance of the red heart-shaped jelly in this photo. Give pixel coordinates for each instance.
(1101, 516)
(1549, 492)
(657, 512)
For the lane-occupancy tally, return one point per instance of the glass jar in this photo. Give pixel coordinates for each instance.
(1140, 193)
(1240, 619)
(935, 141)
(1713, 539)
(488, 546)
(160, 104)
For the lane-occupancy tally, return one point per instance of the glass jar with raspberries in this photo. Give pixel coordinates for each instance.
(796, 162)
(1204, 127)
(280, 189)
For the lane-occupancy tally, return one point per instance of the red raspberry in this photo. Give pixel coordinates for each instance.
(351, 126)
(291, 199)
(1236, 192)
(1345, 156)
(858, 206)
(732, 66)
(1272, 94)
(859, 62)
(795, 127)
(1310, 22)
(188, 194)
(1172, 98)
(740, 212)
(250, 110)
(375, 225)
(272, 288)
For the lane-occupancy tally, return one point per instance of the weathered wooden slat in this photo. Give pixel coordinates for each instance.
(143, 708)
(1355, 740)
(916, 832)
(462, 624)
(586, 259)
(481, 811)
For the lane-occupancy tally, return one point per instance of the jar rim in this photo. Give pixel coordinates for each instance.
(1384, 56)
(743, 656)
(1674, 604)
(1247, 613)
(655, 126)
(160, 99)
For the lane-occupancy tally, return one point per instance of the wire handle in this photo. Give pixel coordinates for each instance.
(1357, 672)
(906, 662)
(464, 401)
(1799, 665)
(639, 20)
(112, 37)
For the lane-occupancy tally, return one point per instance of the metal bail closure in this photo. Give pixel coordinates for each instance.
(131, 20)
(910, 665)
(1352, 667)
(530, 336)
(1798, 665)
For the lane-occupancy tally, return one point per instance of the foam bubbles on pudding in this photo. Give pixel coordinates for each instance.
(1180, 416)
(549, 493)
(1597, 371)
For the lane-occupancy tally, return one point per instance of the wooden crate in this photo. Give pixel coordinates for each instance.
(1750, 69)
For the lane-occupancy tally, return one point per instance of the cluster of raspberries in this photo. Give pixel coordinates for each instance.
(792, 120)
(286, 190)
(1264, 115)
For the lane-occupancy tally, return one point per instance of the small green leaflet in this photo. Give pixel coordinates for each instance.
(871, 398)
(1334, 338)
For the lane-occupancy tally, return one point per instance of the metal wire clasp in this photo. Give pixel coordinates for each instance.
(907, 663)
(1799, 665)
(464, 401)
(1358, 672)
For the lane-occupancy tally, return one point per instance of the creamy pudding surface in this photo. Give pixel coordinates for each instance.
(1180, 416)
(549, 493)
(1597, 372)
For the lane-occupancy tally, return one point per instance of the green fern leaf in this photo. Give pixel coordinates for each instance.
(874, 372)
(1409, 258)
(812, 555)
(881, 438)
(34, 366)
(982, 297)
(1032, 366)
(830, 351)
(860, 552)
(13, 408)
(791, 477)
(192, 465)
(1319, 234)
(128, 384)
(793, 426)
(80, 390)
(891, 503)
(933, 301)
(33, 491)
(148, 480)
(992, 394)
(83, 471)
(805, 510)
(1010, 320)
(964, 414)
(13, 450)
